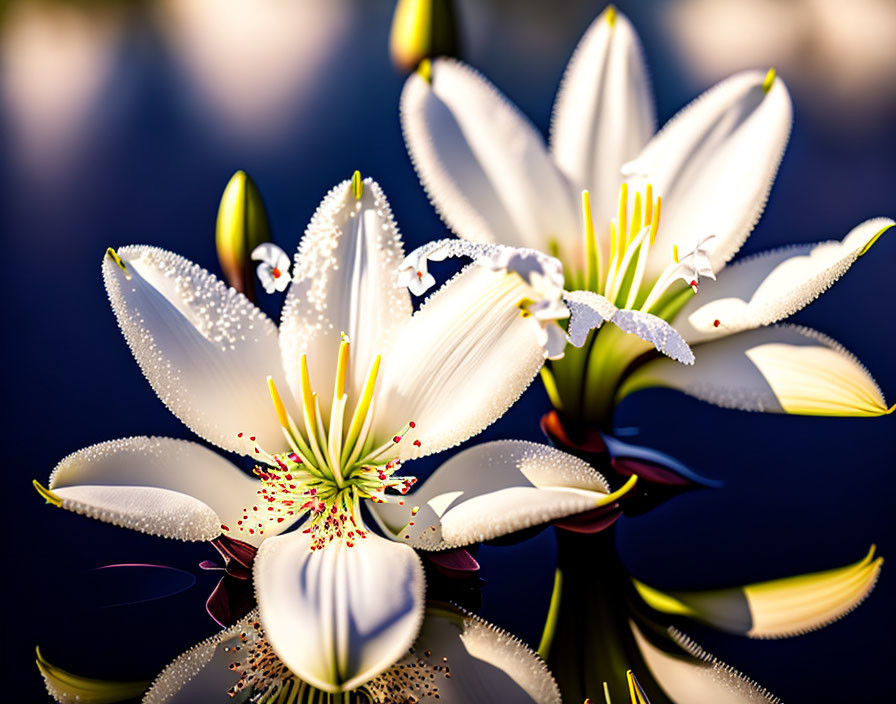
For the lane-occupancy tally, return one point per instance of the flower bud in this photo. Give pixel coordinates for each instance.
(242, 225)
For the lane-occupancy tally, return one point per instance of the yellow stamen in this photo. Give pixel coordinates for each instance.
(612, 244)
(341, 368)
(357, 185)
(623, 218)
(523, 304)
(636, 218)
(675, 253)
(631, 687)
(424, 70)
(307, 393)
(648, 205)
(592, 251)
(655, 222)
(282, 415)
(607, 694)
(769, 81)
(360, 414)
(47, 495)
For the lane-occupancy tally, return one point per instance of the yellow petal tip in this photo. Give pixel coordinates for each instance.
(48, 495)
(113, 255)
(874, 239)
(357, 185)
(610, 15)
(890, 410)
(769, 81)
(424, 70)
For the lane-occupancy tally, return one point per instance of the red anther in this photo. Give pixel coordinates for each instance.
(397, 438)
(280, 519)
(252, 438)
(239, 435)
(251, 531)
(416, 443)
(716, 323)
(223, 527)
(694, 282)
(276, 272)
(412, 424)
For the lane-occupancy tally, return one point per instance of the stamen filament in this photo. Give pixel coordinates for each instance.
(361, 411)
(593, 262)
(636, 218)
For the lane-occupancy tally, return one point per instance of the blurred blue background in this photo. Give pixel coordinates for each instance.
(122, 122)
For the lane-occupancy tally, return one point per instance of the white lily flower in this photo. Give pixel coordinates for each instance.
(457, 657)
(585, 309)
(339, 603)
(274, 268)
(709, 171)
(781, 368)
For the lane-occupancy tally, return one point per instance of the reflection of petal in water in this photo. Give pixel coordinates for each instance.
(250, 60)
(56, 60)
(135, 583)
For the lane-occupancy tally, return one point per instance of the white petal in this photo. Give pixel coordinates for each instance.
(555, 344)
(203, 674)
(482, 163)
(205, 349)
(782, 369)
(344, 281)
(588, 310)
(713, 164)
(490, 490)
(338, 616)
(463, 359)
(162, 486)
(770, 286)
(696, 677)
(777, 608)
(485, 665)
(270, 254)
(603, 115)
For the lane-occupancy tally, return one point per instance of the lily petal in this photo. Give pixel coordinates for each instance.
(603, 115)
(69, 688)
(482, 163)
(485, 664)
(338, 616)
(588, 310)
(782, 369)
(770, 286)
(463, 359)
(161, 486)
(490, 490)
(203, 673)
(344, 281)
(205, 349)
(696, 677)
(778, 608)
(713, 165)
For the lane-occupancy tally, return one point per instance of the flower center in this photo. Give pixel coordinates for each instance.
(330, 467)
(632, 234)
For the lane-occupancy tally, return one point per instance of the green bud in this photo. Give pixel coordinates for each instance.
(242, 225)
(422, 29)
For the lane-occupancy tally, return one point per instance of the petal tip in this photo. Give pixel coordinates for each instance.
(357, 185)
(113, 255)
(47, 495)
(874, 239)
(769, 81)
